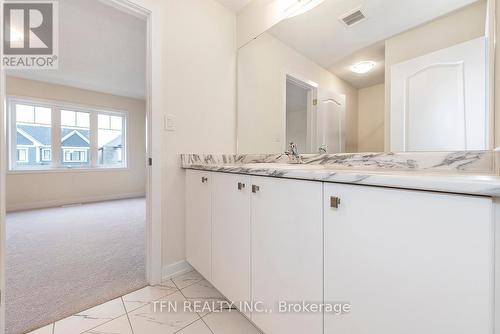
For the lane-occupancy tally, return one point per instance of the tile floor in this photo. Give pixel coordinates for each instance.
(135, 313)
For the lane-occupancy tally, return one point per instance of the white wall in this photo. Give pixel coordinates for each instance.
(193, 75)
(262, 68)
(497, 78)
(257, 17)
(371, 118)
(460, 26)
(27, 190)
(196, 84)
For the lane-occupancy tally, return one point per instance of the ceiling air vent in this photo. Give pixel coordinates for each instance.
(352, 17)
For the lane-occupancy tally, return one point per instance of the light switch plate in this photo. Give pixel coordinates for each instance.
(170, 124)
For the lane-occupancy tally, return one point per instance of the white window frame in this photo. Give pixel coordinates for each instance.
(72, 150)
(26, 152)
(42, 158)
(57, 163)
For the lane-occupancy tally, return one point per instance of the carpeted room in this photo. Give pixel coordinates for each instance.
(61, 261)
(76, 182)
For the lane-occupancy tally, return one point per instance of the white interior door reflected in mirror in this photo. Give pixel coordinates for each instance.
(331, 122)
(315, 117)
(438, 101)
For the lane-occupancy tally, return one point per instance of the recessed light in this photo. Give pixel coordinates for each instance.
(363, 66)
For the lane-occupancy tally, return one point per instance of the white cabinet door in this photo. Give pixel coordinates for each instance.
(231, 236)
(408, 261)
(287, 248)
(438, 101)
(199, 221)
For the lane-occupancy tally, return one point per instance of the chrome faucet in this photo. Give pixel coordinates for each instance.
(323, 149)
(293, 154)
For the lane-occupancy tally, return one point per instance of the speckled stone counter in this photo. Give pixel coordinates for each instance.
(472, 172)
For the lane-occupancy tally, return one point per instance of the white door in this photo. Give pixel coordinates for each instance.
(438, 101)
(331, 121)
(287, 248)
(408, 261)
(199, 221)
(231, 236)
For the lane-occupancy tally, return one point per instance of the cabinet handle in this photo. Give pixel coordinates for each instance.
(255, 188)
(204, 179)
(241, 186)
(334, 202)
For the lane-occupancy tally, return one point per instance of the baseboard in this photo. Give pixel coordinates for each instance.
(61, 202)
(175, 269)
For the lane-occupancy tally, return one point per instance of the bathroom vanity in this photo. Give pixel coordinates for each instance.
(407, 259)
(406, 239)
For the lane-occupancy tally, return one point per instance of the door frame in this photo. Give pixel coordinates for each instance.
(312, 93)
(153, 174)
(153, 178)
(3, 172)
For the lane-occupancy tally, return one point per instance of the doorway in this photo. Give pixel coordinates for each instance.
(76, 155)
(299, 115)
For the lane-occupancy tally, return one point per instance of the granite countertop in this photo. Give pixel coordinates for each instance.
(476, 177)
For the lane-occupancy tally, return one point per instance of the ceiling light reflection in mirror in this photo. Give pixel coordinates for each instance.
(297, 7)
(363, 66)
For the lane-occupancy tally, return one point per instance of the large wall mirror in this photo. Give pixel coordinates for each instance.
(369, 76)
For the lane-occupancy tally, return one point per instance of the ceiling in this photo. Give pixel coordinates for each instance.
(319, 34)
(234, 5)
(101, 48)
(375, 52)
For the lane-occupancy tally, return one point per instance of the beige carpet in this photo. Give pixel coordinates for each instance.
(64, 260)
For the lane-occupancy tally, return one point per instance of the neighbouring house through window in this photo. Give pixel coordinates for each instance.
(37, 144)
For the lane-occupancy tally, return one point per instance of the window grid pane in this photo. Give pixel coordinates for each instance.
(43, 115)
(75, 138)
(68, 118)
(110, 140)
(25, 113)
(32, 137)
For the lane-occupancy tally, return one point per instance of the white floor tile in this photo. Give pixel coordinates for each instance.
(186, 279)
(198, 327)
(202, 290)
(148, 294)
(168, 283)
(143, 318)
(205, 292)
(44, 330)
(229, 322)
(149, 320)
(117, 326)
(90, 318)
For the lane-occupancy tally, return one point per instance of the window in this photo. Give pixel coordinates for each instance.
(75, 155)
(110, 139)
(22, 155)
(46, 154)
(75, 137)
(87, 138)
(33, 124)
